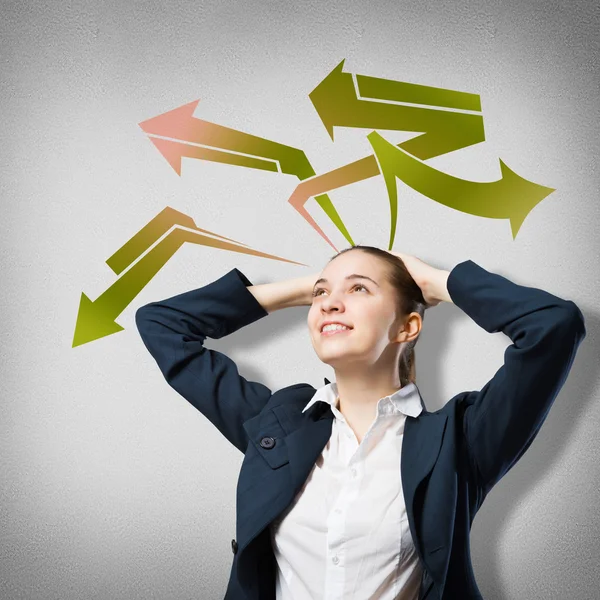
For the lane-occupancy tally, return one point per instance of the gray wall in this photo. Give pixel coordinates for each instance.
(112, 486)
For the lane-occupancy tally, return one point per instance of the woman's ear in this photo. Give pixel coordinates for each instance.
(411, 328)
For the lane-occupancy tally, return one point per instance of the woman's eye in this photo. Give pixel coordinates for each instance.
(316, 292)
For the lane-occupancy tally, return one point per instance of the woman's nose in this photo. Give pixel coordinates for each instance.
(332, 302)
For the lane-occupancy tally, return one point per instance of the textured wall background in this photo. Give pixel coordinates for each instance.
(112, 486)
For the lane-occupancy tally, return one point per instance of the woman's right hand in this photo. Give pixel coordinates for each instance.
(285, 293)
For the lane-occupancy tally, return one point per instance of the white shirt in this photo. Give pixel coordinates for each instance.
(345, 536)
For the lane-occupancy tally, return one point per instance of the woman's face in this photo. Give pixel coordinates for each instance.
(368, 307)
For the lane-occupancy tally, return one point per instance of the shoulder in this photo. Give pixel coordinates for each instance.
(284, 408)
(293, 397)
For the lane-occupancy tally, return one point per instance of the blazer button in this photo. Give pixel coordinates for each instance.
(267, 442)
(234, 546)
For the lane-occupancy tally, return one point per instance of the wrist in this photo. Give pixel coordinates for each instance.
(438, 286)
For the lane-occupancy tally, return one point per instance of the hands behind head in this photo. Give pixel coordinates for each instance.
(430, 280)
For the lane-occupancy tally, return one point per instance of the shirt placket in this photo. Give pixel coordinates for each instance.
(352, 455)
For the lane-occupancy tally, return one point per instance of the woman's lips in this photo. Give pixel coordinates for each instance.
(336, 331)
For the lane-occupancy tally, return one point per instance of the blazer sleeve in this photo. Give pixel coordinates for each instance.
(174, 330)
(502, 419)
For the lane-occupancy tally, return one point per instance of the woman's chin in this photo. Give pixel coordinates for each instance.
(336, 360)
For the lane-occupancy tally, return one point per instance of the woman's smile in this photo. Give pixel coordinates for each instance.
(334, 331)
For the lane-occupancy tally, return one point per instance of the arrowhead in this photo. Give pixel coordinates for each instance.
(326, 96)
(175, 123)
(171, 152)
(92, 322)
(523, 195)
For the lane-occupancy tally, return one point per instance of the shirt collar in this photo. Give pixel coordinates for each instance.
(406, 400)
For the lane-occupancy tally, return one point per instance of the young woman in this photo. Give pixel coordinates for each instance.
(355, 490)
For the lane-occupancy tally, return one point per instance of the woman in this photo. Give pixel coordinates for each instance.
(355, 490)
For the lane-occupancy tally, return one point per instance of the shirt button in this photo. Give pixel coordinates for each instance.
(335, 560)
(353, 471)
(338, 510)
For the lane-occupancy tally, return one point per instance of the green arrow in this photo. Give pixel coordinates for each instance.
(96, 319)
(338, 104)
(392, 90)
(510, 197)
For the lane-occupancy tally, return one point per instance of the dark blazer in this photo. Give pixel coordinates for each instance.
(451, 457)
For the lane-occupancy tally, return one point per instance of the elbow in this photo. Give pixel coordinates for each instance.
(571, 323)
(139, 317)
(143, 319)
(576, 319)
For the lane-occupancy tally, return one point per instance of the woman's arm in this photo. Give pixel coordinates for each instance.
(173, 330)
(284, 294)
(501, 420)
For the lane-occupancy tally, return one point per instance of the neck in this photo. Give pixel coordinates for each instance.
(359, 393)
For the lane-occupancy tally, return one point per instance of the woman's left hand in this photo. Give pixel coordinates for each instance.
(430, 280)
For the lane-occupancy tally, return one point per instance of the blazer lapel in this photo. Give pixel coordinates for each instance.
(306, 443)
(308, 434)
(420, 450)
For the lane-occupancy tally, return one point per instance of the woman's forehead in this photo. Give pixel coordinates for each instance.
(355, 262)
